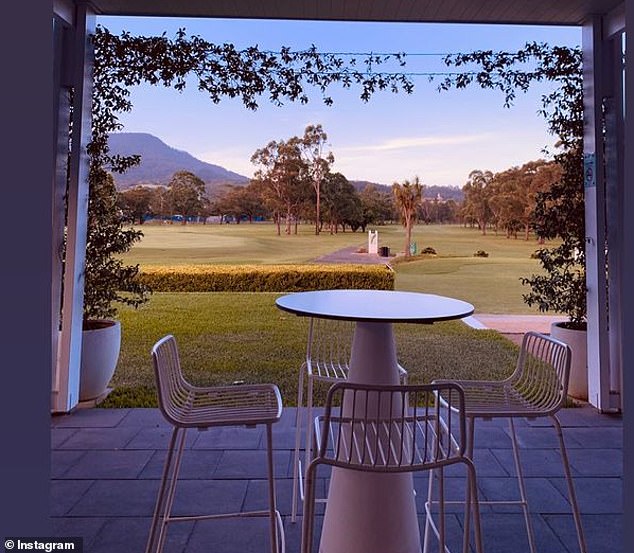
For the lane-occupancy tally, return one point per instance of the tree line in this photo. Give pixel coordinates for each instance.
(293, 183)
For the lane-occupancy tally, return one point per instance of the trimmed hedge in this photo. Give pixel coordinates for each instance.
(266, 278)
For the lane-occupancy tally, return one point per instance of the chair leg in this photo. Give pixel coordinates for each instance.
(298, 438)
(571, 489)
(308, 446)
(309, 509)
(468, 491)
(165, 498)
(522, 488)
(472, 503)
(439, 531)
(271, 476)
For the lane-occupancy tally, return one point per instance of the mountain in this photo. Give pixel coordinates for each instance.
(160, 161)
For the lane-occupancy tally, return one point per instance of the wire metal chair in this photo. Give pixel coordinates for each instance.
(537, 388)
(392, 429)
(327, 360)
(186, 406)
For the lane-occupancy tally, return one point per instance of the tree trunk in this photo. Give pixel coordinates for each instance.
(317, 210)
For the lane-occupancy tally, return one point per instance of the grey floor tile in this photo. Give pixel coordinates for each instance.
(229, 438)
(506, 533)
(235, 535)
(60, 435)
(490, 436)
(62, 461)
(535, 437)
(195, 464)
(209, 496)
(597, 462)
(251, 464)
(65, 494)
(90, 418)
(117, 498)
(603, 533)
(486, 464)
(257, 497)
(543, 496)
(86, 528)
(109, 464)
(535, 462)
(130, 535)
(594, 495)
(454, 490)
(144, 417)
(594, 438)
(158, 437)
(586, 416)
(100, 438)
(282, 439)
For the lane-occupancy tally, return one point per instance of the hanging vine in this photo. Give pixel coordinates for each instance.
(560, 211)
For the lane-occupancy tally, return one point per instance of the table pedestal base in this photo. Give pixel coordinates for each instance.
(370, 512)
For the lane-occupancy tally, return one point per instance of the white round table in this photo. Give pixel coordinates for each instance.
(369, 512)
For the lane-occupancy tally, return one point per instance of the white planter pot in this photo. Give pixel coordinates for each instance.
(577, 340)
(99, 356)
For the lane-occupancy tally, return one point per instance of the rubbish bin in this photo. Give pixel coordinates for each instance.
(384, 251)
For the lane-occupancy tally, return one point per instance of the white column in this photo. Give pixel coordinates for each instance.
(66, 383)
(598, 344)
(627, 292)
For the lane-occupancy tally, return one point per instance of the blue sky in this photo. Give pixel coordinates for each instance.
(437, 136)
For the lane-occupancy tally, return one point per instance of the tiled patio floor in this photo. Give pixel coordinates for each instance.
(106, 464)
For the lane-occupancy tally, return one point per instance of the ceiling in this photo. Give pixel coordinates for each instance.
(538, 12)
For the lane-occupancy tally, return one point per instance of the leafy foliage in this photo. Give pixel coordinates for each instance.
(266, 278)
(222, 72)
(107, 279)
(559, 211)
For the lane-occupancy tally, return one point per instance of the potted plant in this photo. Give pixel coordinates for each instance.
(107, 281)
(560, 216)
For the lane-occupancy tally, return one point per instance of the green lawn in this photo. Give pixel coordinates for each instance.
(236, 244)
(224, 337)
(491, 284)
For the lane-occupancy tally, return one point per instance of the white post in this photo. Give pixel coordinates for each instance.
(598, 344)
(66, 385)
(373, 241)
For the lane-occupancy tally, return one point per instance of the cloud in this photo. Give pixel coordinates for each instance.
(417, 142)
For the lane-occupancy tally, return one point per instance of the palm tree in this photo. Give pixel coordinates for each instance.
(408, 195)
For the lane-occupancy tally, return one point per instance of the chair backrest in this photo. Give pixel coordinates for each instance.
(392, 428)
(542, 372)
(172, 389)
(329, 347)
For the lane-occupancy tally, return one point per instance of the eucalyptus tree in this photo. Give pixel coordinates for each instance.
(186, 194)
(477, 197)
(283, 175)
(136, 203)
(377, 206)
(408, 196)
(318, 163)
(341, 202)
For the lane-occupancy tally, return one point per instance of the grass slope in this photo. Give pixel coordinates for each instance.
(224, 337)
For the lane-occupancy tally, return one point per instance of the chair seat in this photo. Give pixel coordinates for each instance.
(496, 399)
(227, 405)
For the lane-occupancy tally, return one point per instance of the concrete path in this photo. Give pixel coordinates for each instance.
(514, 324)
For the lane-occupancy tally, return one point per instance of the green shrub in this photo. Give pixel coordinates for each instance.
(428, 250)
(480, 253)
(265, 278)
